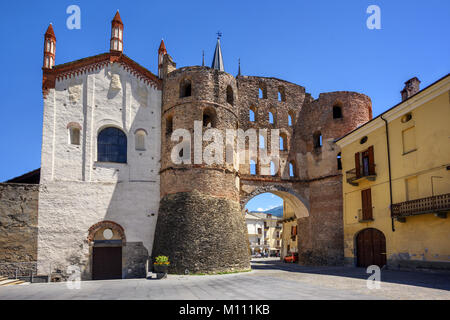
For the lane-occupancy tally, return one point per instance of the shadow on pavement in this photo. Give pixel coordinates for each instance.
(437, 280)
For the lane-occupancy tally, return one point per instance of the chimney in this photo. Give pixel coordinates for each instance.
(411, 88)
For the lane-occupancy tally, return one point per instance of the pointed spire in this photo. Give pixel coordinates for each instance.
(239, 66)
(116, 43)
(49, 48)
(117, 17)
(161, 52)
(217, 62)
(50, 31)
(203, 58)
(162, 47)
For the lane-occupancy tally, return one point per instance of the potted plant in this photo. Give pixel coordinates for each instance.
(161, 266)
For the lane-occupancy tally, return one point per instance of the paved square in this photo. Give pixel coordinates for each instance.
(269, 279)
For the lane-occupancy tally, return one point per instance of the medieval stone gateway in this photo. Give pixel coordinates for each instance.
(106, 165)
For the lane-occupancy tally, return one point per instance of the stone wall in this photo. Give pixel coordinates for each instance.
(18, 227)
(201, 234)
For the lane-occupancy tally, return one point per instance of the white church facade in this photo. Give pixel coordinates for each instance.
(99, 188)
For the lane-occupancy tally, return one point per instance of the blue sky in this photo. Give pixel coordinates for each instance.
(322, 45)
(263, 202)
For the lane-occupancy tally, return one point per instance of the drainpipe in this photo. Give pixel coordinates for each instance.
(389, 170)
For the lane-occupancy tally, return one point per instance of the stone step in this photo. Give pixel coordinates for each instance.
(11, 282)
(3, 278)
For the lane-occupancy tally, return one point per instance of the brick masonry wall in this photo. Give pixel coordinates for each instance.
(315, 191)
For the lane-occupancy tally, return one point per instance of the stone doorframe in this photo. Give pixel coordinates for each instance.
(91, 234)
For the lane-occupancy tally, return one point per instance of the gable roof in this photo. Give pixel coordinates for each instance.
(69, 69)
(32, 177)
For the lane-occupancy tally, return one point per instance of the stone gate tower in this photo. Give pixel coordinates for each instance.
(201, 222)
(200, 225)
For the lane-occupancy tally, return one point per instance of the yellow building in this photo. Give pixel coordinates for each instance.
(264, 233)
(272, 234)
(289, 239)
(396, 183)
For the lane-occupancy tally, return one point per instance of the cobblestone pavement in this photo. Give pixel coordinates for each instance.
(269, 279)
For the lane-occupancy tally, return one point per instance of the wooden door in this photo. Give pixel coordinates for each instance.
(107, 263)
(371, 248)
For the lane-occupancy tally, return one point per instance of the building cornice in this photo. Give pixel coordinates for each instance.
(437, 88)
(78, 67)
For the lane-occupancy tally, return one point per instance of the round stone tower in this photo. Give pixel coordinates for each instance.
(200, 223)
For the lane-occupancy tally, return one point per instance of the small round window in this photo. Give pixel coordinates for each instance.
(108, 234)
(406, 117)
(363, 140)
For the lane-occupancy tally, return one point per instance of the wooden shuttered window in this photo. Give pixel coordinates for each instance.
(362, 157)
(366, 197)
(371, 161)
(293, 231)
(357, 165)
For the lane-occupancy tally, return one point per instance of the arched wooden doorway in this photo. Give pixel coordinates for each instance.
(370, 248)
(106, 238)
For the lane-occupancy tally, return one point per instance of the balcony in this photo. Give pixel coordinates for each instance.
(354, 179)
(439, 205)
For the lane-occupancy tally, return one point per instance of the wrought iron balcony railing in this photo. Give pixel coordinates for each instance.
(353, 179)
(439, 205)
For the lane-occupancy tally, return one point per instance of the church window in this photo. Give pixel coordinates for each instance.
(140, 136)
(74, 135)
(112, 145)
(74, 130)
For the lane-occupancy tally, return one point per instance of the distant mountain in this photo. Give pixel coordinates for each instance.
(277, 211)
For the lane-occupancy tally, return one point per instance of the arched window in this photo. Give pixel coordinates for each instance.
(252, 167)
(291, 118)
(209, 118)
(74, 136)
(337, 112)
(74, 133)
(291, 169)
(317, 137)
(262, 143)
(139, 140)
(283, 141)
(339, 161)
(252, 115)
(112, 145)
(273, 168)
(185, 88)
(230, 96)
(262, 91)
(271, 120)
(281, 94)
